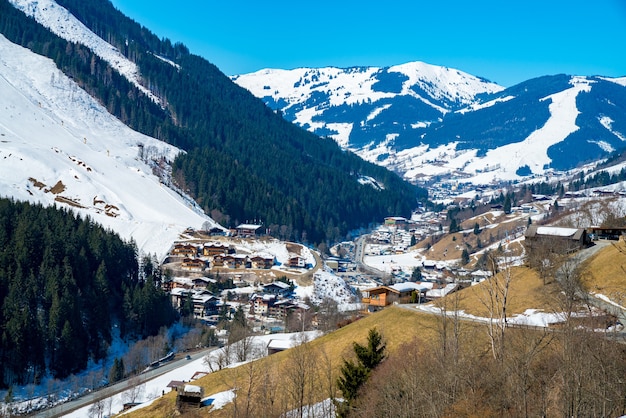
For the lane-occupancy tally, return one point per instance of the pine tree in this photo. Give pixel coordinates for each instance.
(355, 373)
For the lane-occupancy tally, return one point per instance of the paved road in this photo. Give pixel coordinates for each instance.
(93, 397)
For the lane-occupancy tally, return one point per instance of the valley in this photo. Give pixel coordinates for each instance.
(260, 228)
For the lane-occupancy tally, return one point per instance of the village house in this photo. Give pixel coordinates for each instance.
(381, 296)
(261, 262)
(185, 250)
(284, 307)
(277, 288)
(261, 304)
(193, 264)
(213, 249)
(204, 303)
(235, 261)
(248, 230)
(296, 261)
(567, 239)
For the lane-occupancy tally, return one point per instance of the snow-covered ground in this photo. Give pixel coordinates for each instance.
(62, 23)
(52, 131)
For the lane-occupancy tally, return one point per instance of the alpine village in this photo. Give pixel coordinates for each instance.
(178, 242)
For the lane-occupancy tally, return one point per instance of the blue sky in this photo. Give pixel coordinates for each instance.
(505, 41)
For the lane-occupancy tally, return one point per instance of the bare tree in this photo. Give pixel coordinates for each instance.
(494, 297)
(300, 375)
(96, 410)
(219, 359)
(135, 390)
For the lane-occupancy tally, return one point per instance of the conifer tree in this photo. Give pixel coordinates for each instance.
(355, 373)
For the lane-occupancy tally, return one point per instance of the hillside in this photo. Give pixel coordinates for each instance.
(243, 162)
(54, 134)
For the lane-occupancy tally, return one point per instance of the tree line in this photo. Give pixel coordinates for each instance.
(64, 283)
(242, 159)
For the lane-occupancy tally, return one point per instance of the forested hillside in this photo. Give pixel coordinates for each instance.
(243, 161)
(64, 283)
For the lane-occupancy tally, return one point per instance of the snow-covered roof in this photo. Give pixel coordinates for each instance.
(193, 389)
(556, 231)
(409, 286)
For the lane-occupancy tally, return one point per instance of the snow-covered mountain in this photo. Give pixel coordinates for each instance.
(58, 146)
(424, 121)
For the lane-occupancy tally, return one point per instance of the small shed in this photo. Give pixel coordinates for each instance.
(189, 397)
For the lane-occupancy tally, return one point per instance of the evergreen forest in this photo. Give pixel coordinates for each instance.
(243, 162)
(65, 284)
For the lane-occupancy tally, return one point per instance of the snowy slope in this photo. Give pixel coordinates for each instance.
(51, 131)
(306, 94)
(62, 23)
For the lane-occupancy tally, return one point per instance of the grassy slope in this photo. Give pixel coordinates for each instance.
(398, 326)
(605, 273)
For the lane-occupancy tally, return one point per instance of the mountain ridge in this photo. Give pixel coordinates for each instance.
(451, 138)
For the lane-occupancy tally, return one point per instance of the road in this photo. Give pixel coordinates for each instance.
(577, 259)
(93, 397)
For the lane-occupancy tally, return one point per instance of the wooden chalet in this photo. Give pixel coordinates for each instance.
(189, 396)
(248, 230)
(186, 250)
(193, 264)
(213, 249)
(381, 296)
(296, 261)
(261, 262)
(261, 304)
(276, 288)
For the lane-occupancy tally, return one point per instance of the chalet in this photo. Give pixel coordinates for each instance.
(213, 249)
(235, 261)
(202, 282)
(248, 230)
(218, 261)
(284, 307)
(571, 239)
(261, 261)
(277, 288)
(261, 304)
(381, 296)
(204, 303)
(296, 261)
(185, 250)
(193, 264)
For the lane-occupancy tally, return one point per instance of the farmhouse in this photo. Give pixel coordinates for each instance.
(569, 239)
